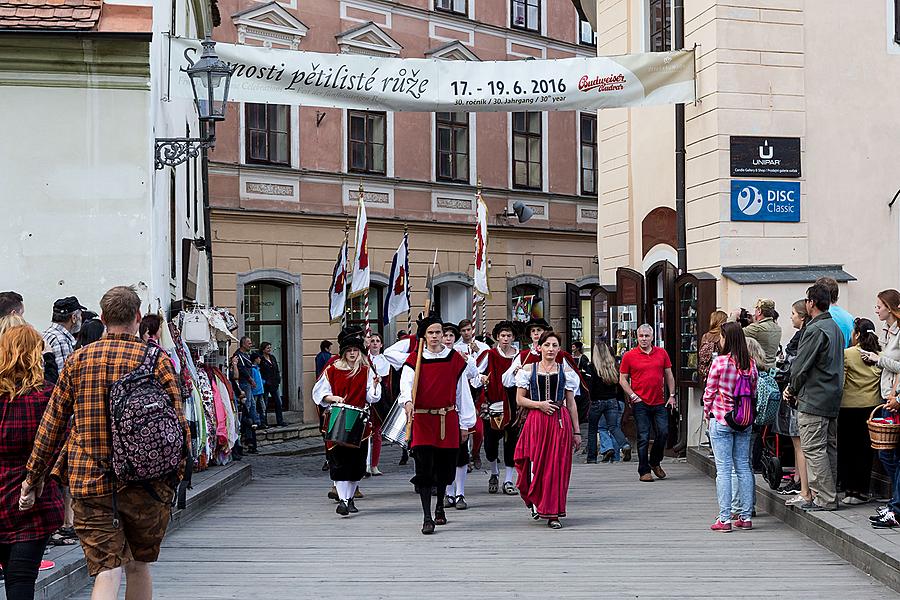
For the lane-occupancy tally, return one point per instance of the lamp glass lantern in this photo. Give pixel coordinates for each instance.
(210, 80)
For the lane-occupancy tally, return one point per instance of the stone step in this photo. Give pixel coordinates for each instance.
(277, 435)
(845, 532)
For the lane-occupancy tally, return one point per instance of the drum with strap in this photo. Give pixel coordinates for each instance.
(394, 428)
(346, 425)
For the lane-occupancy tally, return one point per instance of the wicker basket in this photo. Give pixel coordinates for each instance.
(884, 436)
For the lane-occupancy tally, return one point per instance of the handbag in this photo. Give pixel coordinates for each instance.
(195, 328)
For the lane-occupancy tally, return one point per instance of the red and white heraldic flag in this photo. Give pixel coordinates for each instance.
(481, 244)
(396, 301)
(337, 293)
(360, 281)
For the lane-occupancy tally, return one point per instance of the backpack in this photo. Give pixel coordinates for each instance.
(768, 399)
(147, 438)
(740, 417)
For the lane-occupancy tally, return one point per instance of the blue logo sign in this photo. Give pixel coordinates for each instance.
(765, 201)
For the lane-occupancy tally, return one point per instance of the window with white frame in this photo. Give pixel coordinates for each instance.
(586, 34)
(897, 21)
(659, 26)
(367, 142)
(457, 7)
(452, 146)
(268, 134)
(527, 139)
(526, 14)
(588, 146)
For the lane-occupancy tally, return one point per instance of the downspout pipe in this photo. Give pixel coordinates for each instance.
(680, 187)
(680, 192)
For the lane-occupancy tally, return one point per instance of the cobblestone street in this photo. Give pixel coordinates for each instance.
(279, 536)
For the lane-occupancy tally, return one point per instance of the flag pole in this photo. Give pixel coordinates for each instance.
(421, 346)
(346, 316)
(408, 284)
(366, 309)
(475, 298)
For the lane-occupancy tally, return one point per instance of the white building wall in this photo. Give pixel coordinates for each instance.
(170, 118)
(826, 73)
(76, 195)
(852, 145)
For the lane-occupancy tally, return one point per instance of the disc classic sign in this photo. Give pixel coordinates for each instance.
(773, 201)
(265, 75)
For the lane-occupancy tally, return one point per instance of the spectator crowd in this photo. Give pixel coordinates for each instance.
(67, 474)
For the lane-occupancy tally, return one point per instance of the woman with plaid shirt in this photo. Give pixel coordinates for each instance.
(24, 395)
(731, 447)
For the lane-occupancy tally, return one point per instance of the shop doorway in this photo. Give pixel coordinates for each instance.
(269, 307)
(661, 305)
(358, 310)
(627, 314)
(602, 299)
(264, 320)
(587, 312)
(452, 301)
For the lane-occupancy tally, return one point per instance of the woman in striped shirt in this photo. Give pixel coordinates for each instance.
(731, 447)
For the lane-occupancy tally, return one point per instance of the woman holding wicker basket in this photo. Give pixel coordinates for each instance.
(887, 307)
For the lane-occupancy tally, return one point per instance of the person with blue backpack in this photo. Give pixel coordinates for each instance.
(729, 402)
(259, 390)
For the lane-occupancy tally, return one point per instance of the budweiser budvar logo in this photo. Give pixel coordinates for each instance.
(610, 83)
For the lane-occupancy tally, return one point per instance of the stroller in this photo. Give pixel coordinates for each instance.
(768, 410)
(771, 465)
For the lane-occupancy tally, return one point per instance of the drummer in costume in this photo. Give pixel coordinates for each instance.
(469, 346)
(456, 493)
(499, 414)
(550, 434)
(441, 414)
(379, 410)
(351, 382)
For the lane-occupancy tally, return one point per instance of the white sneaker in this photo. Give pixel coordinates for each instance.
(797, 500)
(852, 501)
(375, 472)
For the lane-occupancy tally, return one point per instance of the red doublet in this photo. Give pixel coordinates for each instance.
(497, 365)
(436, 391)
(351, 388)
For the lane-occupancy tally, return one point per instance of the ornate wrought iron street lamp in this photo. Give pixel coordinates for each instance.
(210, 80)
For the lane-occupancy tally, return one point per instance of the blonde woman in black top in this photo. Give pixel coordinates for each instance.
(607, 405)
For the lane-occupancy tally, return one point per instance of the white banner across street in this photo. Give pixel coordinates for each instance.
(265, 75)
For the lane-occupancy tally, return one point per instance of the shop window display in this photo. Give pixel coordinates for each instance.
(688, 340)
(696, 299)
(625, 325)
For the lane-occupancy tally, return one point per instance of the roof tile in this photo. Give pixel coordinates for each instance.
(50, 14)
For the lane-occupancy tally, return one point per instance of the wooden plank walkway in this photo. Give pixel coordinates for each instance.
(280, 537)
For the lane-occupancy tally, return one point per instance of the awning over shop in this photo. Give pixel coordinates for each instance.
(587, 10)
(754, 275)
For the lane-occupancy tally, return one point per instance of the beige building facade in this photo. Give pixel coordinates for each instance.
(824, 72)
(284, 181)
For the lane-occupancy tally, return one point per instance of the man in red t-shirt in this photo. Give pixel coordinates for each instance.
(644, 372)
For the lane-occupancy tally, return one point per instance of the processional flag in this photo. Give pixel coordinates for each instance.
(396, 301)
(481, 242)
(337, 293)
(360, 281)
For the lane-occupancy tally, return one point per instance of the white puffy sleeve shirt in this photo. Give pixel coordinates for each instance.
(465, 407)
